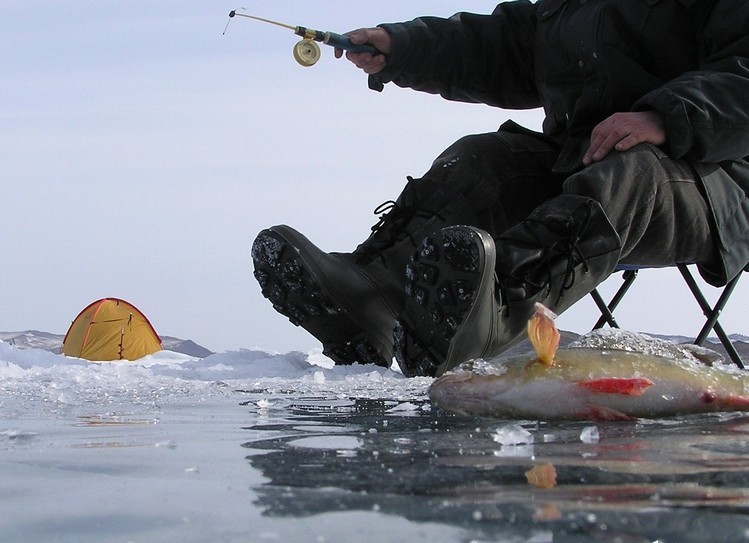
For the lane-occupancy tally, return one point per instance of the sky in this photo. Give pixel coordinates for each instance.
(142, 150)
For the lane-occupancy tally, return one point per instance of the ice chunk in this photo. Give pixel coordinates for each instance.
(623, 340)
(512, 434)
(405, 407)
(590, 434)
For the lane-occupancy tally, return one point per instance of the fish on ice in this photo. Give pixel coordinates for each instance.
(606, 375)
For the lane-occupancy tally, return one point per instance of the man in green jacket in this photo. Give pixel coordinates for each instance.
(641, 162)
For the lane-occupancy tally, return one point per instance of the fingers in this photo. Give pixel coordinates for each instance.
(604, 138)
(622, 131)
(375, 36)
(629, 141)
(370, 64)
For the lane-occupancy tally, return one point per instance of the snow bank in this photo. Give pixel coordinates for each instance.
(32, 379)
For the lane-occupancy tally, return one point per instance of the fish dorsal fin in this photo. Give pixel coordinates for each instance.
(543, 334)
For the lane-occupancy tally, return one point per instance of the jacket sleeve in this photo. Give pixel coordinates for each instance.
(470, 58)
(707, 110)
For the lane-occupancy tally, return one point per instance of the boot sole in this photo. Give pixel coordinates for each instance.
(295, 291)
(442, 282)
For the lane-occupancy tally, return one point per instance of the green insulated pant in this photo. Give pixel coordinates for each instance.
(655, 204)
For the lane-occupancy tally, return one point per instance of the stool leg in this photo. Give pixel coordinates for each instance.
(607, 311)
(713, 313)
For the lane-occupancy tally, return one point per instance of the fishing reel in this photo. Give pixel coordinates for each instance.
(307, 51)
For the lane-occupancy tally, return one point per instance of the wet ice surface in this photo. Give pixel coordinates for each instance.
(252, 447)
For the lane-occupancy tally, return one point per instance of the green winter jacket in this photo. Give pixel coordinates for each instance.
(583, 60)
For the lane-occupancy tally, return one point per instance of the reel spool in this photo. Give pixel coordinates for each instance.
(307, 52)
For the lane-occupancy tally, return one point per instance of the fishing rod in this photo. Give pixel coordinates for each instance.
(306, 51)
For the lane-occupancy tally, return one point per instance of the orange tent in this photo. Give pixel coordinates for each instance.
(110, 329)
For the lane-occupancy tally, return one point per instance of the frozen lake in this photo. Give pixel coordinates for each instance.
(251, 447)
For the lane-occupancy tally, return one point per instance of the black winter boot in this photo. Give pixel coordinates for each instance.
(469, 298)
(349, 301)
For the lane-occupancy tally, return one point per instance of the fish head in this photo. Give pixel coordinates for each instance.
(495, 383)
(470, 385)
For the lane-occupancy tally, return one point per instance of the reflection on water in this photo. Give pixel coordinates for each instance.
(113, 420)
(685, 480)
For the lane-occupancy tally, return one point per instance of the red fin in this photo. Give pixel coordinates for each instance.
(734, 401)
(627, 387)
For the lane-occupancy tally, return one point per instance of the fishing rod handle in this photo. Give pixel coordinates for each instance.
(344, 42)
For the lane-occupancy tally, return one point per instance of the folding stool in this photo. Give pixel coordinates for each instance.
(712, 313)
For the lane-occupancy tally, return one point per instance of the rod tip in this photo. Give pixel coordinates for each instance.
(232, 13)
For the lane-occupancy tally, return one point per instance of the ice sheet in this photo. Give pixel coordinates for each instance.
(249, 446)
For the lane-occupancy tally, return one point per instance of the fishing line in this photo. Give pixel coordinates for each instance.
(306, 51)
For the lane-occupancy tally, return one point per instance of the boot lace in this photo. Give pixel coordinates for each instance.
(566, 247)
(395, 223)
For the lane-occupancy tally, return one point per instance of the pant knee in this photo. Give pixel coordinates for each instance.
(621, 179)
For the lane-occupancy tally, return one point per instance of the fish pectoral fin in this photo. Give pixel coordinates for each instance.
(734, 401)
(601, 413)
(611, 385)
